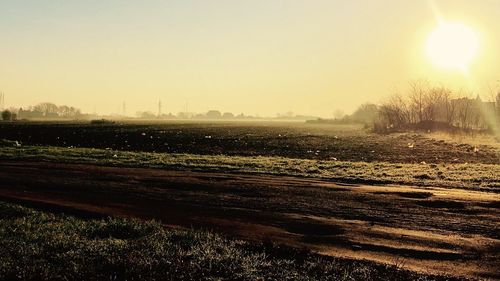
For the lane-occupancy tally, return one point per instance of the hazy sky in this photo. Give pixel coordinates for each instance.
(255, 56)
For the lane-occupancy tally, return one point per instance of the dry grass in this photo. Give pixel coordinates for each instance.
(462, 138)
(43, 246)
(478, 176)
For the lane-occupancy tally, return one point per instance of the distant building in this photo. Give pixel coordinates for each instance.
(29, 114)
(473, 113)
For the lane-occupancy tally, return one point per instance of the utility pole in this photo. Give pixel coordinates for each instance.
(2, 101)
(159, 108)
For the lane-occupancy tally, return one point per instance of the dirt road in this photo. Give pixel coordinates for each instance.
(433, 229)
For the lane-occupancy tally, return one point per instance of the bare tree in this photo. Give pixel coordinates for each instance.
(395, 113)
(449, 107)
(464, 111)
(417, 99)
(428, 106)
(64, 111)
(47, 108)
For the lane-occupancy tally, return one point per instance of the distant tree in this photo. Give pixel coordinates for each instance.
(448, 108)
(213, 114)
(432, 107)
(74, 112)
(6, 115)
(339, 114)
(366, 113)
(64, 111)
(418, 100)
(227, 115)
(146, 115)
(167, 116)
(395, 113)
(184, 115)
(48, 109)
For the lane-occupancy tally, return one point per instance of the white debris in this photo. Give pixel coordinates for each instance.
(208, 137)
(476, 149)
(410, 145)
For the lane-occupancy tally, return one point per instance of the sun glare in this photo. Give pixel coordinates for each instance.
(452, 45)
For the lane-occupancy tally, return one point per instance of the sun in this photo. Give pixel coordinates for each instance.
(452, 45)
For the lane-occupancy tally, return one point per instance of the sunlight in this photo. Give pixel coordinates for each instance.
(452, 45)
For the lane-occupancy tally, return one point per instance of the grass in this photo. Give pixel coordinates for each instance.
(461, 138)
(37, 245)
(475, 176)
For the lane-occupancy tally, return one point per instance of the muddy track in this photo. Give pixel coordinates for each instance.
(432, 229)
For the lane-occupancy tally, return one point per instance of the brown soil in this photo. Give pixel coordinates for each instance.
(293, 140)
(432, 230)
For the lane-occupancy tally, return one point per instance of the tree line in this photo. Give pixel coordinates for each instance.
(425, 106)
(44, 110)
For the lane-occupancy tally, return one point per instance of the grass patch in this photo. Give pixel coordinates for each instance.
(37, 245)
(476, 176)
(411, 194)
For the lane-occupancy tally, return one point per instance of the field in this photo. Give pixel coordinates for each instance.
(325, 194)
(291, 140)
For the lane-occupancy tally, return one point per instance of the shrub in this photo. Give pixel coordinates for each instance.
(6, 115)
(101, 122)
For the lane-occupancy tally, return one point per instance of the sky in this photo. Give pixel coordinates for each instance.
(258, 57)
